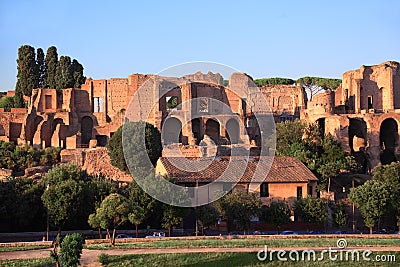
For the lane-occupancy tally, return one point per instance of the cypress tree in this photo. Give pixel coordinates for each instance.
(64, 77)
(41, 64)
(27, 77)
(77, 73)
(51, 67)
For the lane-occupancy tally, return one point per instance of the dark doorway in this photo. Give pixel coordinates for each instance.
(101, 140)
(170, 129)
(196, 130)
(299, 192)
(49, 102)
(370, 103)
(232, 131)
(321, 127)
(358, 142)
(212, 130)
(388, 139)
(86, 130)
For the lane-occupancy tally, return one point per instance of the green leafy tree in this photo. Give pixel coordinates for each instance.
(207, 215)
(51, 67)
(238, 207)
(339, 215)
(278, 214)
(137, 153)
(112, 213)
(64, 75)
(64, 196)
(311, 210)
(172, 216)
(62, 201)
(7, 102)
(94, 222)
(77, 74)
(372, 199)
(71, 250)
(321, 154)
(390, 174)
(141, 205)
(27, 77)
(315, 85)
(41, 65)
(333, 160)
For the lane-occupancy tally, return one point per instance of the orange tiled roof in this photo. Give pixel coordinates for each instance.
(283, 170)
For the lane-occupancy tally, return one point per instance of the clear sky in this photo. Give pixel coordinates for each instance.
(262, 38)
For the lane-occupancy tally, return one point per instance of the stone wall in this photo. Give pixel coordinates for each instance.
(284, 99)
(95, 161)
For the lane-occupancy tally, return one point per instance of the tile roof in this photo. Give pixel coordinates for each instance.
(283, 170)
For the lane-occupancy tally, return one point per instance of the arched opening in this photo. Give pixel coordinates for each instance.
(357, 134)
(55, 122)
(358, 141)
(86, 130)
(57, 137)
(212, 130)
(388, 140)
(170, 129)
(321, 127)
(232, 131)
(37, 121)
(196, 130)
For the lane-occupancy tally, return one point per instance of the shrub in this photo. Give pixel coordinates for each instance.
(71, 250)
(104, 259)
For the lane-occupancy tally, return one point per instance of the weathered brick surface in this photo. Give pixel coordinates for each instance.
(87, 117)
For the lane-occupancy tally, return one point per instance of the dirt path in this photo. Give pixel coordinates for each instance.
(89, 257)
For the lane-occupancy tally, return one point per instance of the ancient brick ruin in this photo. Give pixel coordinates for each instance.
(363, 114)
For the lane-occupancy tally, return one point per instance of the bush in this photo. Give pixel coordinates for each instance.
(71, 250)
(104, 259)
(18, 158)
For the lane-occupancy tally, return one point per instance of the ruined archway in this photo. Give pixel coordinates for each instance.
(212, 130)
(30, 133)
(196, 130)
(86, 130)
(169, 131)
(358, 142)
(388, 140)
(357, 134)
(55, 123)
(57, 135)
(232, 131)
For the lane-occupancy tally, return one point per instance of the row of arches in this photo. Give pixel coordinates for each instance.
(211, 127)
(358, 138)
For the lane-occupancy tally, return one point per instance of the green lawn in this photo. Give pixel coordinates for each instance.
(45, 262)
(4, 249)
(251, 242)
(224, 259)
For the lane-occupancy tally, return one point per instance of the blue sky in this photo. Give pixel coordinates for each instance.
(262, 38)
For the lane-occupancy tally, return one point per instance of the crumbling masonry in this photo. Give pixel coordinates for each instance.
(363, 113)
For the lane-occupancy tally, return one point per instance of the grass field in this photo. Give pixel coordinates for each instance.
(225, 259)
(46, 262)
(20, 248)
(250, 242)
